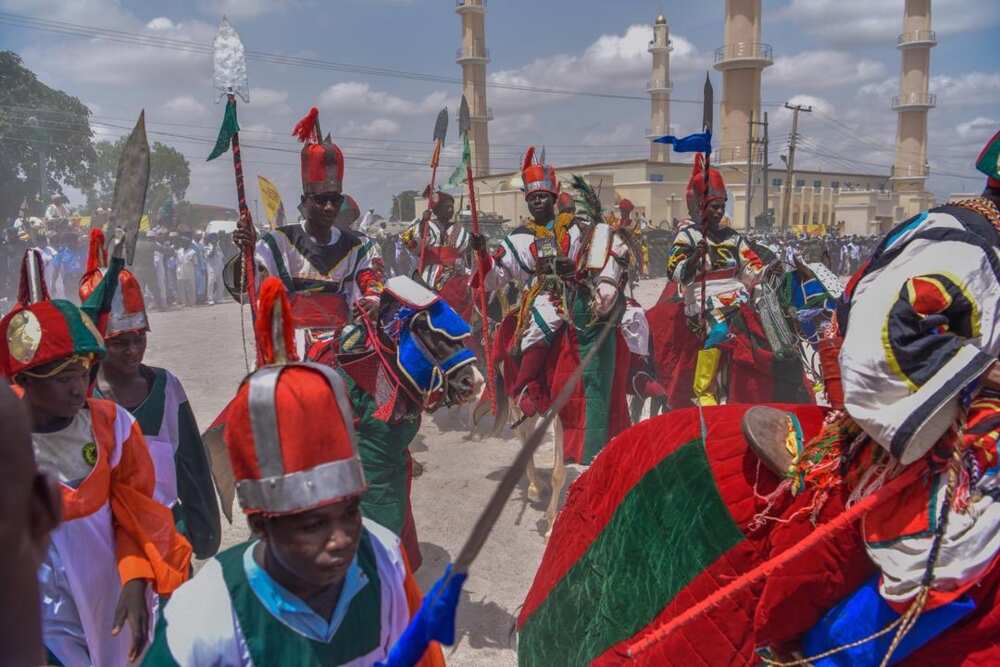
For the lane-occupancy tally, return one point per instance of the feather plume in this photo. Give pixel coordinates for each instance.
(97, 254)
(587, 199)
(273, 328)
(528, 156)
(305, 129)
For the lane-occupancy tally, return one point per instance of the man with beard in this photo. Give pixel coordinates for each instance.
(328, 269)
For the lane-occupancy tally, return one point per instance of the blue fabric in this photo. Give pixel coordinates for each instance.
(717, 334)
(410, 353)
(865, 612)
(903, 229)
(700, 142)
(435, 621)
(292, 611)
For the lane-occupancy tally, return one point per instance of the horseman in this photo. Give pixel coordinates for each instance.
(712, 265)
(541, 256)
(329, 270)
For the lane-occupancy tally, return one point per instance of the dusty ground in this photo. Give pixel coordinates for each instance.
(203, 347)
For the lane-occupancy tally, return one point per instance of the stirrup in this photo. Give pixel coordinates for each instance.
(766, 430)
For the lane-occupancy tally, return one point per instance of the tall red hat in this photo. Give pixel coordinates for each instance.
(39, 330)
(290, 429)
(322, 160)
(701, 190)
(128, 308)
(538, 177)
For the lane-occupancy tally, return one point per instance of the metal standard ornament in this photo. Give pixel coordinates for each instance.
(131, 181)
(24, 336)
(230, 63)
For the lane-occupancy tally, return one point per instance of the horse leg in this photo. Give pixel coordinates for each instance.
(534, 483)
(558, 479)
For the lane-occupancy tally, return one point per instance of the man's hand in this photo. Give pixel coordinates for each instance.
(991, 379)
(367, 307)
(245, 236)
(426, 217)
(132, 608)
(477, 242)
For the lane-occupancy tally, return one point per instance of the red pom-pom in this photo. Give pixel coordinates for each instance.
(305, 128)
(274, 319)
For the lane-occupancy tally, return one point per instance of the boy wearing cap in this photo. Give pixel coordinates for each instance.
(116, 545)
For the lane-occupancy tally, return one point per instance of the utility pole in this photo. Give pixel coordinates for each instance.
(753, 139)
(786, 204)
(767, 201)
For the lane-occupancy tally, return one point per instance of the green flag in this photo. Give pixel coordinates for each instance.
(458, 176)
(230, 126)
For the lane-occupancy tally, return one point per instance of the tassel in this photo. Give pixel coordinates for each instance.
(529, 154)
(273, 328)
(305, 129)
(97, 254)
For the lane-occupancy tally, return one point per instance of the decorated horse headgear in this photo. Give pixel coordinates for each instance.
(703, 188)
(538, 177)
(290, 428)
(425, 372)
(128, 308)
(322, 160)
(988, 161)
(40, 331)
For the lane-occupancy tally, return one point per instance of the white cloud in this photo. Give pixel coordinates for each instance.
(623, 133)
(967, 89)
(184, 106)
(358, 97)
(880, 21)
(617, 63)
(979, 128)
(380, 128)
(161, 23)
(267, 99)
(822, 69)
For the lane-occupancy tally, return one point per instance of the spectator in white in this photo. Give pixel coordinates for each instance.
(214, 261)
(58, 209)
(369, 224)
(187, 258)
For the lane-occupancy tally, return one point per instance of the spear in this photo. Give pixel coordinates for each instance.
(231, 80)
(440, 132)
(464, 125)
(707, 115)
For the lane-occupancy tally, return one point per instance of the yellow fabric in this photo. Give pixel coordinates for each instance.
(704, 376)
(271, 197)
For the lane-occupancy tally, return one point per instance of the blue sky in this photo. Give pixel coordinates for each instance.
(838, 55)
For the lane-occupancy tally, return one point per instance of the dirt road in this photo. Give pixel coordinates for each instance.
(202, 346)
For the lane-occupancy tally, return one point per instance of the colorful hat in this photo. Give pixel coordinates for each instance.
(988, 161)
(290, 429)
(322, 160)
(128, 308)
(701, 190)
(40, 330)
(538, 177)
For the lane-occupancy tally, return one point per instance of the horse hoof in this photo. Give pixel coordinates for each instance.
(534, 493)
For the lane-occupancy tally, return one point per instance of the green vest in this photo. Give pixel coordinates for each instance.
(271, 642)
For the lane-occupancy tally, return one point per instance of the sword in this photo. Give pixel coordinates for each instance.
(440, 132)
(131, 182)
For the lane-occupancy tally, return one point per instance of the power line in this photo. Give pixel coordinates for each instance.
(136, 39)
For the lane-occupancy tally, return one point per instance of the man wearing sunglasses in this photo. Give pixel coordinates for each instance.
(330, 271)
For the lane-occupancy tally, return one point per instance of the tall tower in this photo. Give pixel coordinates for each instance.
(659, 87)
(473, 56)
(910, 170)
(741, 61)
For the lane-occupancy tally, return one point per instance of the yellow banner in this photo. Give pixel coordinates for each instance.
(274, 209)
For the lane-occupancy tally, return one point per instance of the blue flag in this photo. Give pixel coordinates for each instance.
(692, 143)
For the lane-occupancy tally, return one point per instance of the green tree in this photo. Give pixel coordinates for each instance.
(169, 175)
(44, 134)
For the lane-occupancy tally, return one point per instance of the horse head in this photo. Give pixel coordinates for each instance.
(422, 340)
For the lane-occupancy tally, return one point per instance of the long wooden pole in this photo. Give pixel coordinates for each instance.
(435, 158)
(249, 270)
(484, 316)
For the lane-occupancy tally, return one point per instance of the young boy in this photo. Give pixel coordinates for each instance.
(116, 545)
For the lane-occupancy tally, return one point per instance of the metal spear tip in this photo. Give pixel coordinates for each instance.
(229, 60)
(441, 125)
(464, 118)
